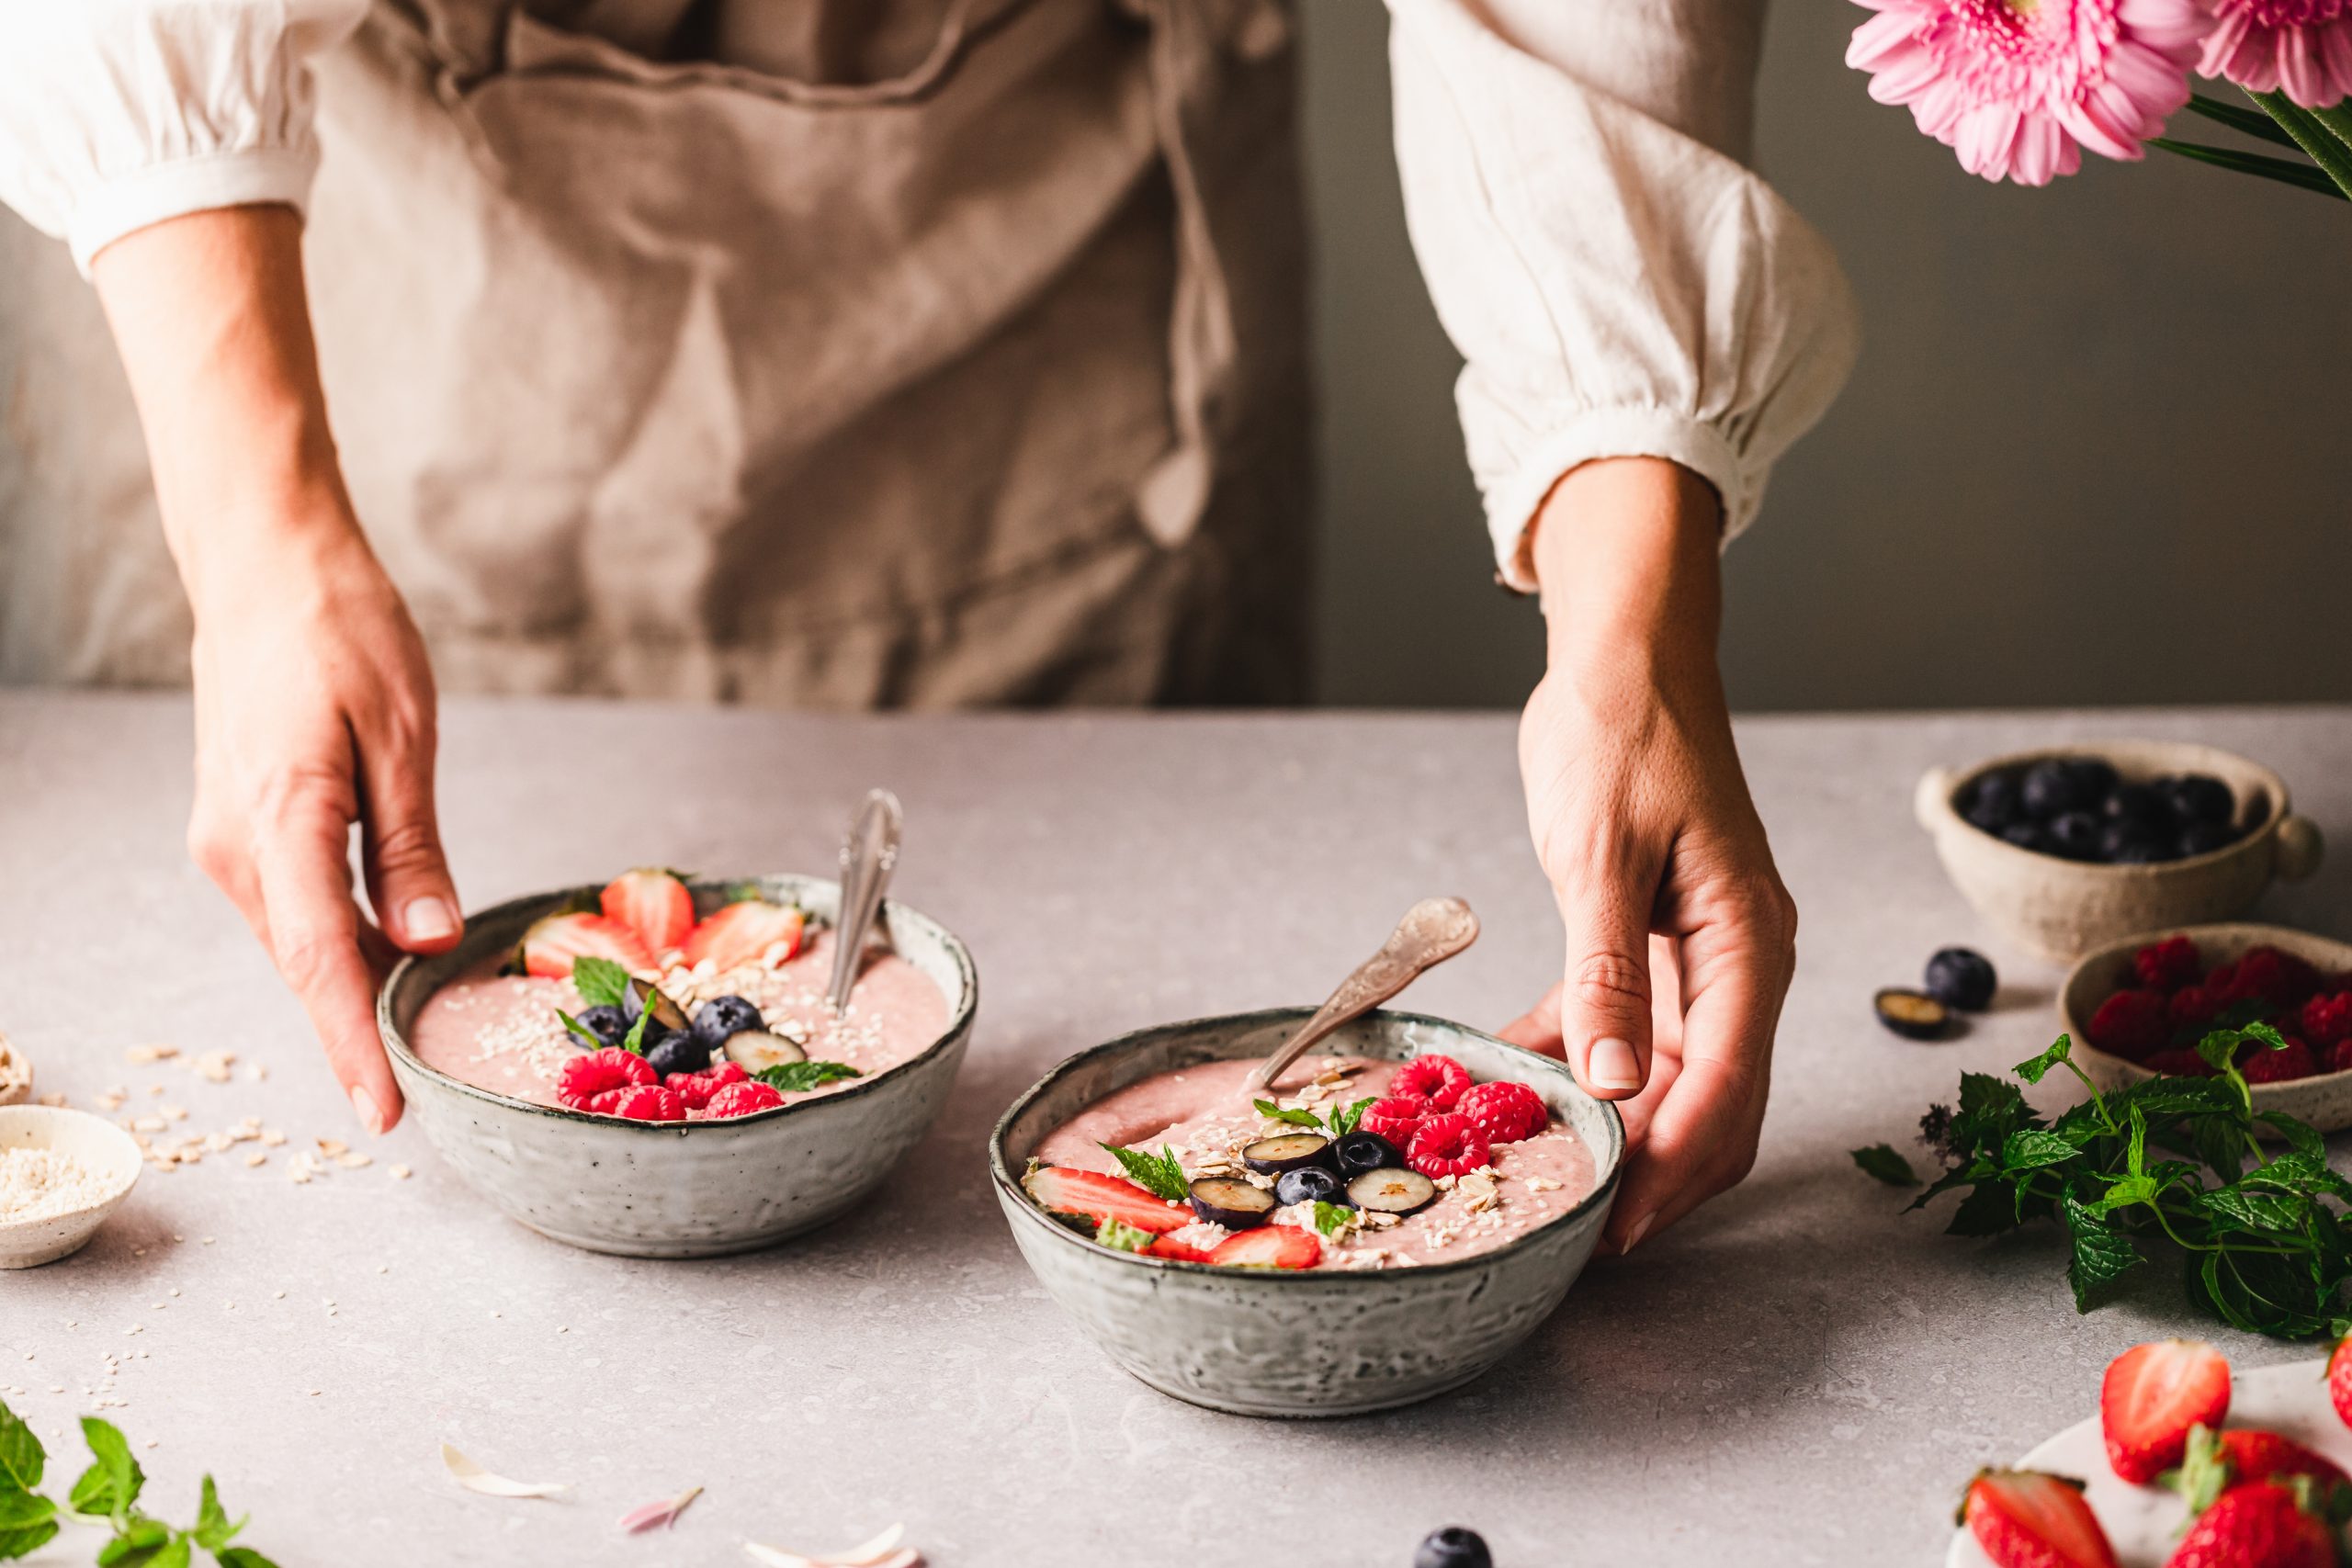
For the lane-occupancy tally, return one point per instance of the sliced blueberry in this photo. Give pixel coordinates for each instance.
(2074, 834)
(668, 1017)
(2200, 798)
(1914, 1015)
(1963, 979)
(1286, 1151)
(1309, 1184)
(2204, 838)
(678, 1053)
(1393, 1192)
(755, 1050)
(1229, 1202)
(2050, 787)
(1360, 1151)
(607, 1023)
(1453, 1547)
(1992, 803)
(721, 1017)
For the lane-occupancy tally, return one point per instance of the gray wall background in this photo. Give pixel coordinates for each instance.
(2096, 449)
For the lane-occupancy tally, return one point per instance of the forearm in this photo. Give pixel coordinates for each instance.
(1627, 556)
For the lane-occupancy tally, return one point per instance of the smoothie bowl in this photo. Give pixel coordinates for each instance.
(1402, 1208)
(689, 1091)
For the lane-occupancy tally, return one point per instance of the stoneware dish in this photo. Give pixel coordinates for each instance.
(2324, 1100)
(105, 1149)
(681, 1190)
(2064, 908)
(1264, 1342)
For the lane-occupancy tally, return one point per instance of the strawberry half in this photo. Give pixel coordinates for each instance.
(2339, 1378)
(742, 933)
(1268, 1247)
(2263, 1524)
(655, 903)
(552, 945)
(2026, 1519)
(1176, 1251)
(1101, 1197)
(2151, 1395)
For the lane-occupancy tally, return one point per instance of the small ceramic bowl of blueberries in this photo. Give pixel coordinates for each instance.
(2073, 847)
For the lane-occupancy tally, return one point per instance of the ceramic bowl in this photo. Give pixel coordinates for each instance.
(2323, 1101)
(692, 1189)
(99, 1145)
(2064, 908)
(1261, 1342)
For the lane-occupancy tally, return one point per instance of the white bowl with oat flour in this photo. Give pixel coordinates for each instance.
(62, 1173)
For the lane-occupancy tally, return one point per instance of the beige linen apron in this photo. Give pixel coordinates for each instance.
(838, 353)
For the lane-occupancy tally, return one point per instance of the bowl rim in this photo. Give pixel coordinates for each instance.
(1009, 1188)
(1958, 779)
(2262, 934)
(38, 1114)
(961, 1012)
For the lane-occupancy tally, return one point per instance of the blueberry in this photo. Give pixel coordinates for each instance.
(2204, 838)
(2200, 798)
(721, 1018)
(2120, 844)
(1309, 1184)
(1453, 1547)
(1360, 1151)
(2026, 836)
(1991, 802)
(2139, 807)
(2074, 834)
(2050, 788)
(2094, 777)
(608, 1024)
(1960, 979)
(678, 1053)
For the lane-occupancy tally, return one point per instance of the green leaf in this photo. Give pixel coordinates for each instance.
(600, 982)
(2313, 135)
(1158, 1174)
(1331, 1218)
(26, 1540)
(2030, 1148)
(2124, 1192)
(2258, 1209)
(21, 1455)
(1123, 1237)
(213, 1529)
(242, 1557)
(1989, 1209)
(1268, 1109)
(2301, 1137)
(2102, 1254)
(2240, 118)
(112, 1485)
(593, 1040)
(136, 1544)
(2032, 1070)
(634, 1041)
(1345, 1121)
(2302, 176)
(798, 1077)
(1881, 1161)
(21, 1510)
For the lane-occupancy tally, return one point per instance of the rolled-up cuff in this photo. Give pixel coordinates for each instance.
(243, 177)
(1625, 432)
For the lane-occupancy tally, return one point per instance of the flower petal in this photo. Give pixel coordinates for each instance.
(474, 1478)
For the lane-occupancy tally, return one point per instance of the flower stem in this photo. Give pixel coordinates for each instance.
(2313, 134)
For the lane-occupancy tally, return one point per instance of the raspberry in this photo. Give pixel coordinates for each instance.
(1395, 1117)
(2267, 975)
(2131, 1024)
(742, 1098)
(1505, 1112)
(2292, 1060)
(650, 1103)
(1447, 1144)
(695, 1089)
(1437, 1079)
(2181, 1064)
(604, 1104)
(2194, 1005)
(2339, 1056)
(585, 1077)
(2166, 966)
(2327, 1020)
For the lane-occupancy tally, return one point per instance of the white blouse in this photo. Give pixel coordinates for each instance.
(1619, 282)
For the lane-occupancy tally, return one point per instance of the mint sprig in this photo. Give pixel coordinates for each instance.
(600, 982)
(634, 1041)
(2166, 1166)
(106, 1493)
(1158, 1174)
(1330, 1218)
(593, 1040)
(798, 1078)
(1337, 1123)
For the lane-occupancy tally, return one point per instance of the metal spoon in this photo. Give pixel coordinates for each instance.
(1431, 932)
(868, 855)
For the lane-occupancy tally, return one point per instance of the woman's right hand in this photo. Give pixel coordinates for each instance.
(314, 704)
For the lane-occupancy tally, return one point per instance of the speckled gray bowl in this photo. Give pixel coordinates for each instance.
(681, 1190)
(1261, 1342)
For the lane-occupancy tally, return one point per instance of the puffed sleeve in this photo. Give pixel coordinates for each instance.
(1618, 281)
(117, 114)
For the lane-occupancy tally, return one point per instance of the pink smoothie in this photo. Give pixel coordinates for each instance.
(501, 1031)
(1204, 1115)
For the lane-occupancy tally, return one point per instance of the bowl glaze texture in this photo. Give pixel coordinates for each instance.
(681, 1190)
(1254, 1342)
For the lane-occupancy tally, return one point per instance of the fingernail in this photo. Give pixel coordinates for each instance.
(1610, 1065)
(1640, 1228)
(364, 1104)
(428, 919)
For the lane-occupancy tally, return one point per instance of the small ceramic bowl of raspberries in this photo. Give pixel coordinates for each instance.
(2072, 847)
(2140, 1006)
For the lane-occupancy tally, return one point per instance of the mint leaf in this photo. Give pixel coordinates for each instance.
(23, 1540)
(1344, 1121)
(1331, 1218)
(21, 1455)
(139, 1543)
(2101, 1254)
(634, 1041)
(593, 1040)
(242, 1557)
(2030, 1148)
(1268, 1109)
(110, 1485)
(1158, 1174)
(213, 1531)
(600, 982)
(797, 1077)
(1118, 1234)
(22, 1510)
(1881, 1161)
(2060, 1050)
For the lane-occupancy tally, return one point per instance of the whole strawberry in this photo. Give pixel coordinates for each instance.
(2262, 1524)
(2027, 1518)
(2339, 1378)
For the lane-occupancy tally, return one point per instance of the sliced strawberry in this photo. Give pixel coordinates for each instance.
(2151, 1395)
(2339, 1378)
(2267, 1456)
(552, 945)
(1268, 1247)
(744, 932)
(2263, 1524)
(653, 903)
(1168, 1247)
(2025, 1518)
(1100, 1197)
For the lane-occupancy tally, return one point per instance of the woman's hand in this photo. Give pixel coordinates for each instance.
(314, 703)
(1642, 823)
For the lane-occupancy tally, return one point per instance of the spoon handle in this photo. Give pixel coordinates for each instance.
(868, 856)
(1431, 932)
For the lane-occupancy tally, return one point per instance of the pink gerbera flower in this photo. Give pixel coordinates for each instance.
(2018, 87)
(2303, 46)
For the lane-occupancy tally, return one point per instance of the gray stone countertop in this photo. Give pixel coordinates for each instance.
(1794, 1375)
